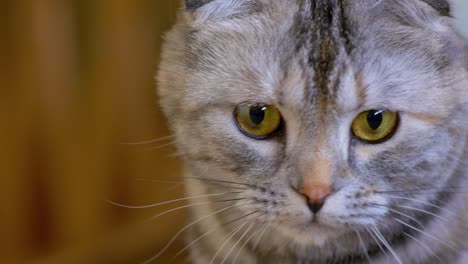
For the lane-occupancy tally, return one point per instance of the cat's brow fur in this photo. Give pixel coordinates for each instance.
(321, 63)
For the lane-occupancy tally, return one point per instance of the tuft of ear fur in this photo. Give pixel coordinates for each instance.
(192, 5)
(201, 11)
(442, 6)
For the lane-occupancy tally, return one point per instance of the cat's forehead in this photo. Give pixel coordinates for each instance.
(300, 52)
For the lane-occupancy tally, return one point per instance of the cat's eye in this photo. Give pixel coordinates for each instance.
(258, 121)
(375, 126)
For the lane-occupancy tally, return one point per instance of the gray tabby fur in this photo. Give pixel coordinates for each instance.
(321, 62)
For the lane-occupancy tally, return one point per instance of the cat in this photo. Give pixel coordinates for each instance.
(320, 131)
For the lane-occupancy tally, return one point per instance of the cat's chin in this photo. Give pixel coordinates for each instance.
(312, 234)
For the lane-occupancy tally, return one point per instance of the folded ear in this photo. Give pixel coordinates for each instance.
(443, 6)
(192, 5)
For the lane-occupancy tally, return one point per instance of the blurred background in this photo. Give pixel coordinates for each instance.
(79, 119)
(77, 87)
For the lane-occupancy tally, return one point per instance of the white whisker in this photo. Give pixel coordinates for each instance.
(377, 241)
(230, 236)
(167, 202)
(400, 213)
(238, 241)
(148, 141)
(387, 245)
(245, 243)
(161, 181)
(190, 205)
(162, 146)
(210, 181)
(175, 209)
(193, 242)
(257, 242)
(205, 234)
(425, 233)
(185, 228)
(364, 249)
(423, 202)
(423, 245)
(424, 211)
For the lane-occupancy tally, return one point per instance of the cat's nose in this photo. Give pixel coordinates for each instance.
(316, 194)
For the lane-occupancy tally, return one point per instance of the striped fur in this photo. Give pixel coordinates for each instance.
(321, 62)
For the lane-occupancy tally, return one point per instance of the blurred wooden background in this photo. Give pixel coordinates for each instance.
(77, 81)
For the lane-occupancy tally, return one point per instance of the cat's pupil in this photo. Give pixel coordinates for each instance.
(257, 114)
(374, 119)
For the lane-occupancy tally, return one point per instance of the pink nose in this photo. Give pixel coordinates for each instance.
(316, 194)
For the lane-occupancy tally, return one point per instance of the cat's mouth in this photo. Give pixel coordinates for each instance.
(315, 231)
(318, 223)
(315, 227)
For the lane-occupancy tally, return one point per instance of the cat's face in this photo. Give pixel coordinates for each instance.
(320, 64)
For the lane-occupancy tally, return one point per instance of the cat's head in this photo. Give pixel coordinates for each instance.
(347, 104)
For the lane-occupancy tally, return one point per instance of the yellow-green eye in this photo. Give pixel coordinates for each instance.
(258, 121)
(375, 126)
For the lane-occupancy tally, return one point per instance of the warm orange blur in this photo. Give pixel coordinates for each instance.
(77, 82)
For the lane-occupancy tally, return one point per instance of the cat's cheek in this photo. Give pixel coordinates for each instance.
(351, 206)
(297, 211)
(333, 211)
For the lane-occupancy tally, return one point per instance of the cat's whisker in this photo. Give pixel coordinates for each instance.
(386, 244)
(237, 243)
(205, 180)
(247, 221)
(170, 201)
(222, 181)
(204, 235)
(427, 193)
(175, 209)
(425, 233)
(363, 246)
(160, 181)
(246, 242)
(448, 188)
(424, 211)
(229, 237)
(190, 205)
(231, 200)
(398, 212)
(377, 241)
(259, 238)
(148, 141)
(423, 245)
(247, 215)
(423, 202)
(171, 241)
(184, 183)
(193, 243)
(162, 146)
